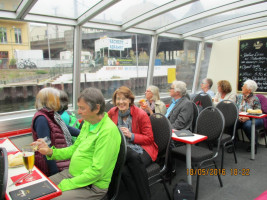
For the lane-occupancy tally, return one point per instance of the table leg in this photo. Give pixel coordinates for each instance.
(252, 138)
(188, 163)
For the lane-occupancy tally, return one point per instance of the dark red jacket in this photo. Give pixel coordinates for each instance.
(141, 127)
(57, 139)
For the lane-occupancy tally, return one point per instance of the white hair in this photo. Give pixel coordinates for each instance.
(155, 92)
(179, 86)
(251, 85)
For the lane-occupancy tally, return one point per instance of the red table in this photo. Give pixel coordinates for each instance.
(10, 147)
(253, 117)
(189, 140)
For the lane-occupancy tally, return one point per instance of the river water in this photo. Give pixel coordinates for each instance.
(27, 104)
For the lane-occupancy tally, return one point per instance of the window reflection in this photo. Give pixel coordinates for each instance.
(30, 60)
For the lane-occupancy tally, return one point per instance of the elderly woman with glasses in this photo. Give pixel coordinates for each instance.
(153, 104)
(247, 100)
(135, 124)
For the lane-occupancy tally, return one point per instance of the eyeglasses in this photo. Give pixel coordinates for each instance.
(121, 99)
(147, 91)
(171, 88)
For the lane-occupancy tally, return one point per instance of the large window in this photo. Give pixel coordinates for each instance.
(112, 59)
(3, 37)
(18, 35)
(32, 69)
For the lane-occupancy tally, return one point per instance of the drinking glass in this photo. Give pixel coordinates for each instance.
(28, 159)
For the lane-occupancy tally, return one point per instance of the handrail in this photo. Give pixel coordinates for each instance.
(16, 133)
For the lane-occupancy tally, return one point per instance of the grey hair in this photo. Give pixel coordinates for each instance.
(93, 96)
(155, 91)
(180, 86)
(251, 85)
(209, 81)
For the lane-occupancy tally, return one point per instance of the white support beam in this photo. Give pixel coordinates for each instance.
(98, 8)
(174, 35)
(24, 8)
(155, 12)
(262, 24)
(140, 31)
(226, 23)
(102, 26)
(7, 15)
(241, 33)
(209, 13)
(76, 64)
(49, 20)
(153, 51)
(198, 66)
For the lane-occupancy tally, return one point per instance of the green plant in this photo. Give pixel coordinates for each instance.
(12, 61)
(41, 72)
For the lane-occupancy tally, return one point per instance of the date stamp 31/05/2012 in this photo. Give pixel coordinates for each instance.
(216, 172)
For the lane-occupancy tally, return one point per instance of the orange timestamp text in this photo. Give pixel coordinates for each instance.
(216, 172)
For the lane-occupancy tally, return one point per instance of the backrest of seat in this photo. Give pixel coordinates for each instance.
(203, 99)
(162, 132)
(210, 122)
(230, 113)
(116, 176)
(195, 115)
(108, 105)
(3, 172)
(263, 101)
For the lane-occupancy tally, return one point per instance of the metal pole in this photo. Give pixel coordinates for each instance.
(153, 51)
(76, 64)
(136, 50)
(198, 65)
(48, 43)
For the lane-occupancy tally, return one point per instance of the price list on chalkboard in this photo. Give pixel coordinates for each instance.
(253, 62)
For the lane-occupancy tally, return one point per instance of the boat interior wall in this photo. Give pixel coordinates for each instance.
(224, 59)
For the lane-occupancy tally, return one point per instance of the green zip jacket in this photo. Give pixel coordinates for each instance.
(92, 157)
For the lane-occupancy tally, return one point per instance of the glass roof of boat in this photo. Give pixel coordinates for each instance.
(200, 20)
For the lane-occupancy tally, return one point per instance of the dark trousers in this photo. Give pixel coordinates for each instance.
(134, 181)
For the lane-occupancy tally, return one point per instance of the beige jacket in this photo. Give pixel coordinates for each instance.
(160, 107)
(229, 96)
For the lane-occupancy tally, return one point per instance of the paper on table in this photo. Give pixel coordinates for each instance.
(8, 146)
(34, 175)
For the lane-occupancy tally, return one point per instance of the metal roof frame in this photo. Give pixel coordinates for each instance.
(86, 19)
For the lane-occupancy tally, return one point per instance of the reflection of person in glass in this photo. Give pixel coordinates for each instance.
(141, 148)
(93, 155)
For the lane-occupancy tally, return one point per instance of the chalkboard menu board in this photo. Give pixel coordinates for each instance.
(253, 62)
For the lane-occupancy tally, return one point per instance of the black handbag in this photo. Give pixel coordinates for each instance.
(183, 191)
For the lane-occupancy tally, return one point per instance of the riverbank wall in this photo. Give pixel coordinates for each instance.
(24, 92)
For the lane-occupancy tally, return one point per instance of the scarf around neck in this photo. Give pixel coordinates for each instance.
(64, 128)
(128, 121)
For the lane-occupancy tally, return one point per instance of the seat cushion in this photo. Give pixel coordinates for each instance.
(225, 138)
(197, 153)
(153, 172)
